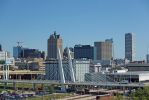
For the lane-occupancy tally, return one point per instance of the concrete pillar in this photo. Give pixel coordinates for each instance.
(31, 76)
(16, 76)
(8, 71)
(34, 86)
(123, 93)
(3, 72)
(9, 76)
(14, 86)
(19, 77)
(5, 85)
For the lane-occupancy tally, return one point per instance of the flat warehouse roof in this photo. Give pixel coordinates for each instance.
(137, 65)
(132, 73)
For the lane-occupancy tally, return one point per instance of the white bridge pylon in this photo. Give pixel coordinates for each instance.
(61, 69)
(70, 66)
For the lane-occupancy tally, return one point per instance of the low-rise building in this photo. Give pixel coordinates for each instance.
(5, 58)
(81, 67)
(137, 67)
(104, 63)
(30, 64)
(139, 76)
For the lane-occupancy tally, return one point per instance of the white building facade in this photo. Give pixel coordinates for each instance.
(81, 67)
(5, 56)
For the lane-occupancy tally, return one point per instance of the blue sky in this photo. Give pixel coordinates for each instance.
(78, 22)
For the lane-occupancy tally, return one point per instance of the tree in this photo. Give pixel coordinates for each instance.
(141, 94)
(118, 97)
(50, 89)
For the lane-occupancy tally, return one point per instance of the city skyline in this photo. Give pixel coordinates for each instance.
(78, 22)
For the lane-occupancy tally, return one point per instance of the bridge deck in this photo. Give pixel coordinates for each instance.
(22, 72)
(111, 84)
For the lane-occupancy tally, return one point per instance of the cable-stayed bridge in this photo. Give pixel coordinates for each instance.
(109, 84)
(105, 81)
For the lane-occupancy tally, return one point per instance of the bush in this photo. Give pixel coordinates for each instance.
(50, 89)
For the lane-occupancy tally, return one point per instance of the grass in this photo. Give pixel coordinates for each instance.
(7, 90)
(51, 96)
(45, 97)
(23, 85)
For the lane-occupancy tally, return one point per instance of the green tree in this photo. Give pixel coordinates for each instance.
(118, 97)
(141, 94)
(51, 89)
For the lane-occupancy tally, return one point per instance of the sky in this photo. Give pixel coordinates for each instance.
(77, 21)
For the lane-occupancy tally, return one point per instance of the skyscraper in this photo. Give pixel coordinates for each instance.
(103, 50)
(0, 47)
(130, 46)
(17, 52)
(54, 42)
(147, 58)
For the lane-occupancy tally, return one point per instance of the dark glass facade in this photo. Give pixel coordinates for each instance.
(20, 52)
(0, 47)
(32, 53)
(83, 51)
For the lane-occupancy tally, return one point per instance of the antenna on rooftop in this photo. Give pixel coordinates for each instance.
(18, 43)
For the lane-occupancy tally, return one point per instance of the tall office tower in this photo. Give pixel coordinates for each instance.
(54, 42)
(103, 50)
(83, 51)
(0, 47)
(147, 58)
(130, 46)
(17, 52)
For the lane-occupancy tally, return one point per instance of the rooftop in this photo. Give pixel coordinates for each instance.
(137, 65)
(133, 73)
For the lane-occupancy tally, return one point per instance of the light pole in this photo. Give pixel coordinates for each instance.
(6, 69)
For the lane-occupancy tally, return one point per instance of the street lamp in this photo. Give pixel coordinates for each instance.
(6, 68)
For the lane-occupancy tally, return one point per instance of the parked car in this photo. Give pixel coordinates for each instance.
(124, 82)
